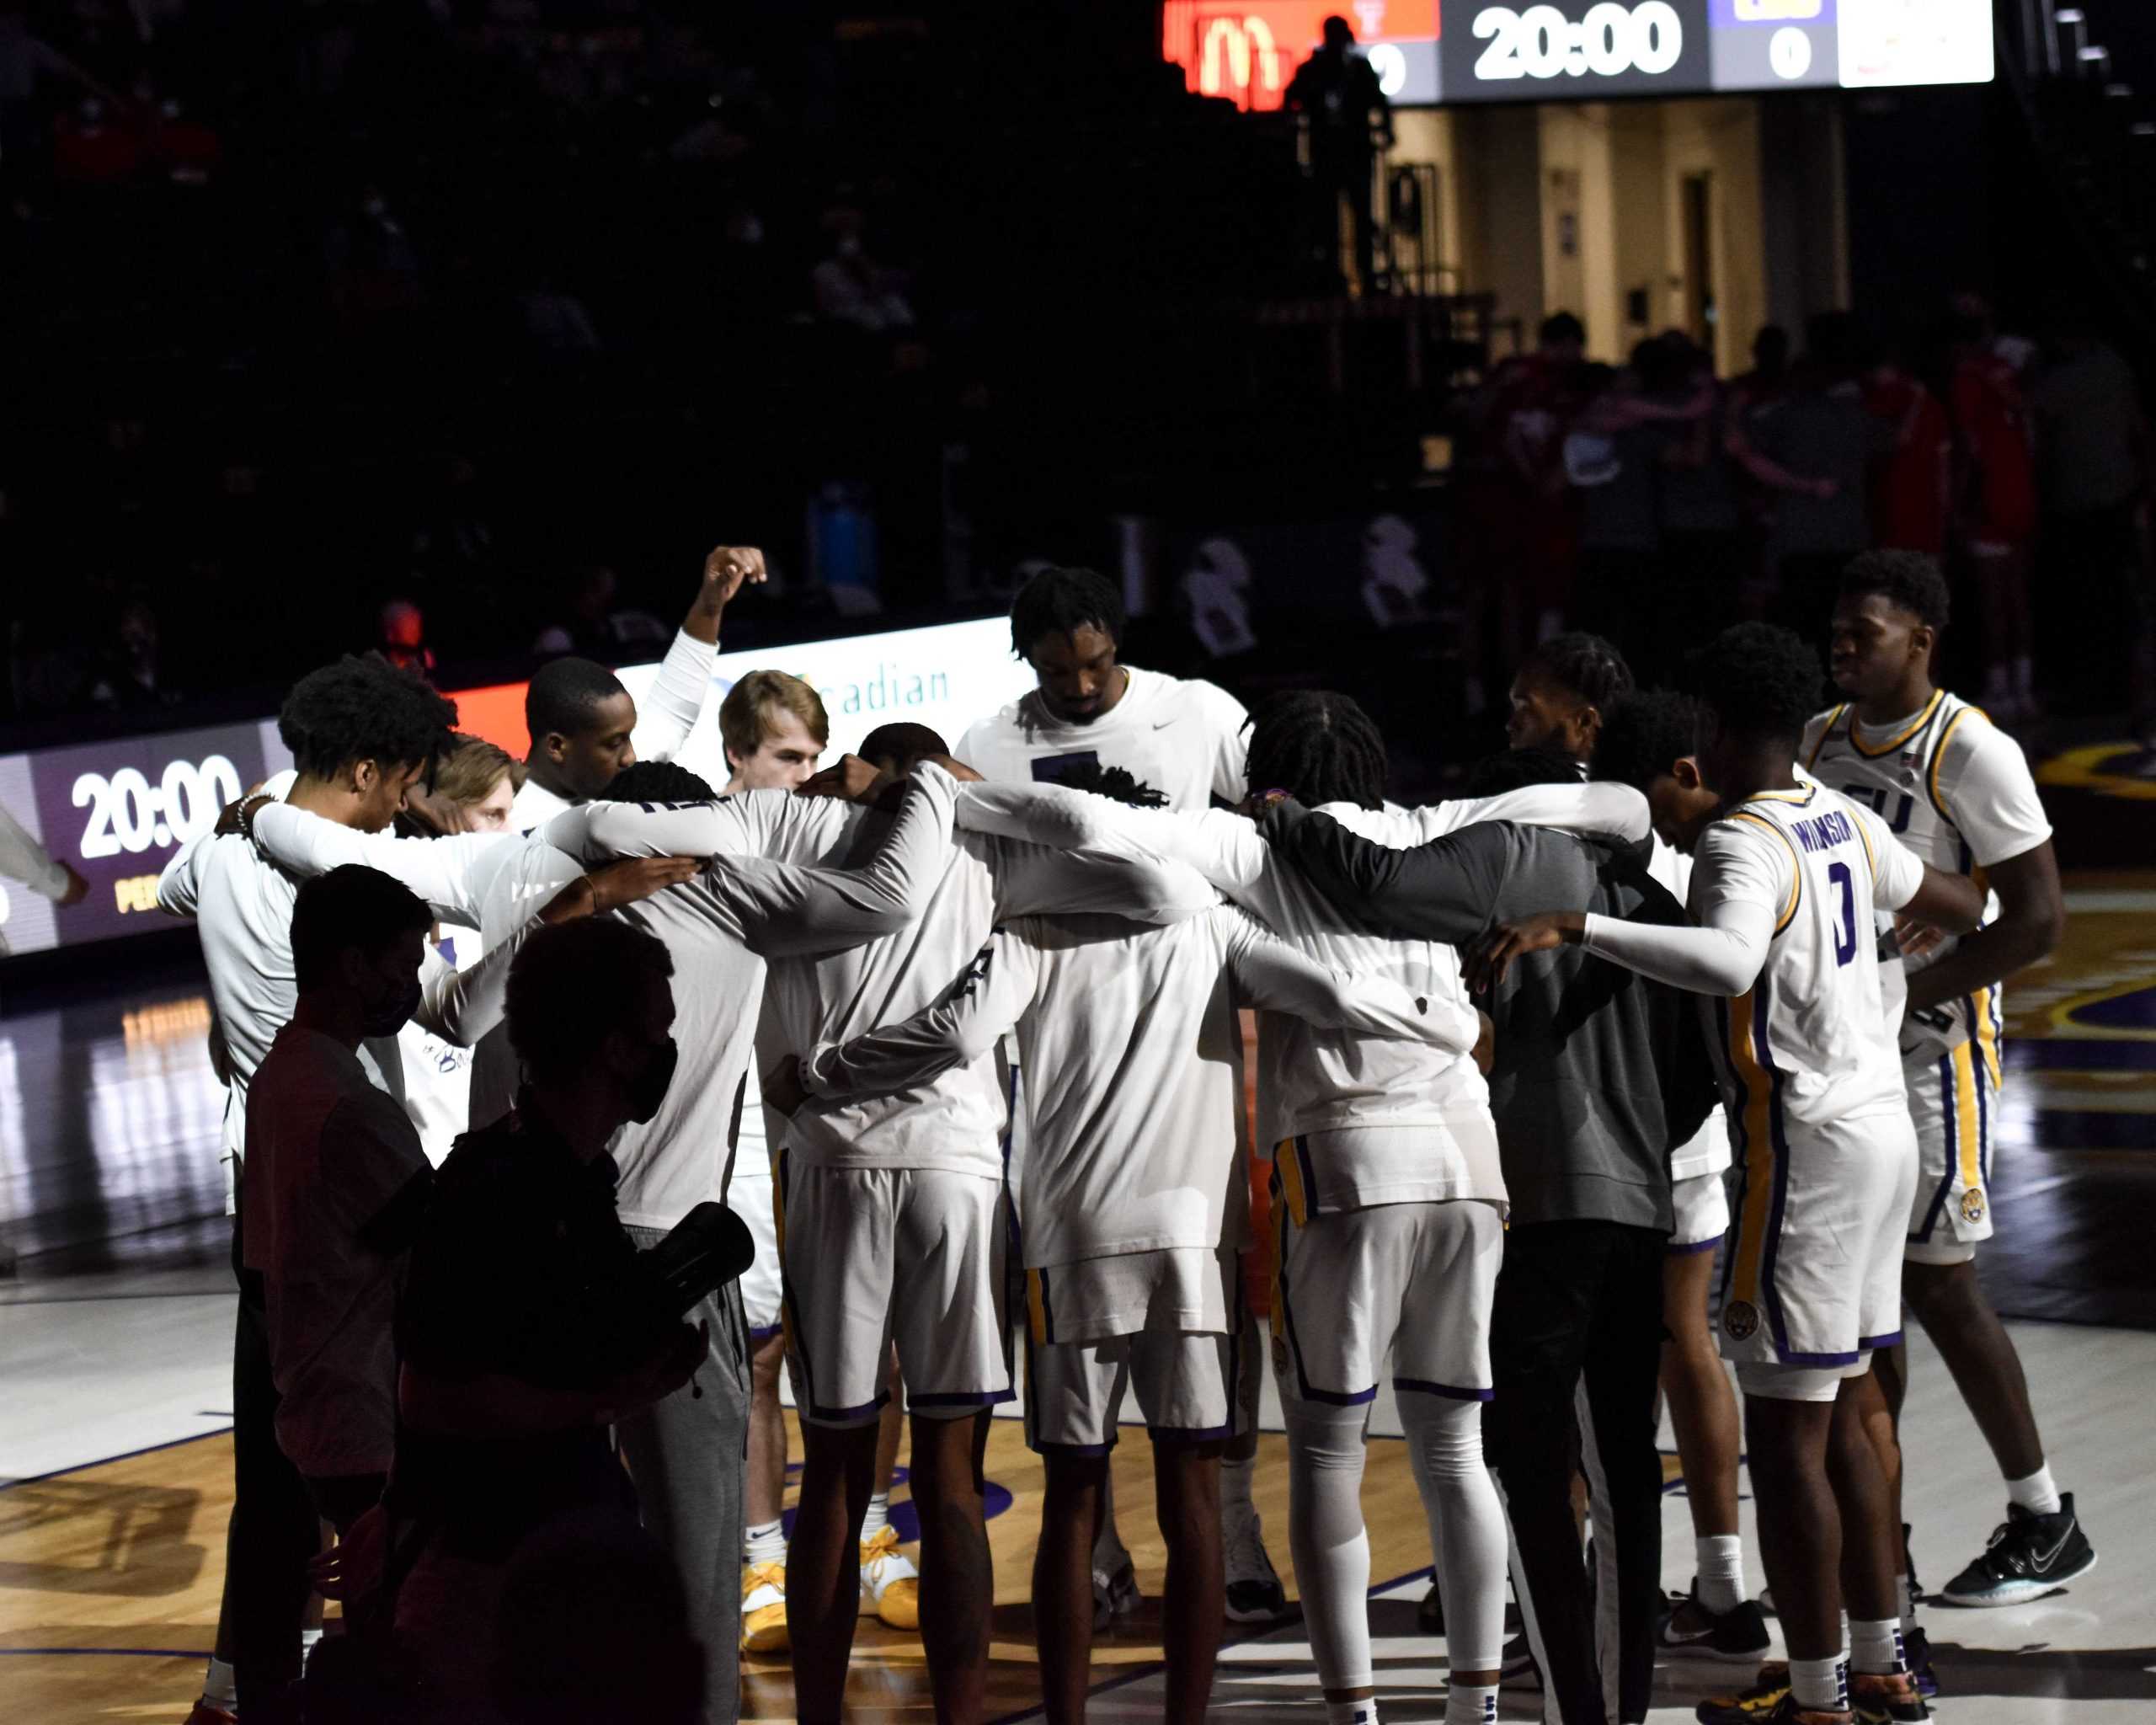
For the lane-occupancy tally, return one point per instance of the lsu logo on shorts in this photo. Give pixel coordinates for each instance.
(1973, 1205)
(1741, 1318)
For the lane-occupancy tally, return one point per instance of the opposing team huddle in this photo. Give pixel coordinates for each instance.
(957, 1032)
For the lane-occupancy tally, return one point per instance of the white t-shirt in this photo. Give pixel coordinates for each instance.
(1185, 738)
(328, 1153)
(1128, 1036)
(664, 719)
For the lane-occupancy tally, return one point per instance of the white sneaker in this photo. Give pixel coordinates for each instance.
(763, 1608)
(890, 1586)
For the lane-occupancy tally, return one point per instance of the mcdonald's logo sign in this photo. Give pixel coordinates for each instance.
(1246, 50)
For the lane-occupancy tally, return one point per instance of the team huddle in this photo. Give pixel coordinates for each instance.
(954, 1029)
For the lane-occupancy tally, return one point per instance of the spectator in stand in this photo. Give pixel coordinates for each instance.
(1704, 546)
(404, 637)
(1808, 447)
(2094, 455)
(851, 288)
(1534, 401)
(1995, 524)
(1769, 374)
(592, 627)
(1912, 472)
(1338, 92)
(129, 676)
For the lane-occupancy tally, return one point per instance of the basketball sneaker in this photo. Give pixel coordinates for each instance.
(1114, 1596)
(2029, 1555)
(1749, 1707)
(209, 1713)
(890, 1586)
(1916, 1648)
(763, 1609)
(1255, 1595)
(1879, 1700)
(1687, 1630)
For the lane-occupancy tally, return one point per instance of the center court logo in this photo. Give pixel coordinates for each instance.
(1742, 1320)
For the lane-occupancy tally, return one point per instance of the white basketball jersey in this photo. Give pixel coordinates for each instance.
(1809, 1043)
(1955, 790)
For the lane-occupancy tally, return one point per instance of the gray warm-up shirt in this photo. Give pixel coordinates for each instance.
(1599, 1073)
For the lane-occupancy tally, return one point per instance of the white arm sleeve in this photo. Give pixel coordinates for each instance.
(785, 911)
(1601, 807)
(1096, 832)
(600, 832)
(461, 1007)
(22, 858)
(675, 700)
(1271, 974)
(438, 870)
(969, 1021)
(1739, 884)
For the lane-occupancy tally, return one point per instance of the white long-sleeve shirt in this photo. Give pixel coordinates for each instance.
(22, 858)
(953, 1120)
(1783, 889)
(1128, 1036)
(1390, 1121)
(665, 718)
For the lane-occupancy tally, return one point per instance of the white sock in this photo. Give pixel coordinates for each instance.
(1361, 1712)
(221, 1686)
(878, 1516)
(1235, 1487)
(1718, 1562)
(765, 1543)
(1331, 1546)
(1875, 1648)
(1821, 1684)
(1471, 1704)
(2038, 1494)
(1467, 1525)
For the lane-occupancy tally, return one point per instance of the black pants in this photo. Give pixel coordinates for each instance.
(1579, 1298)
(273, 1530)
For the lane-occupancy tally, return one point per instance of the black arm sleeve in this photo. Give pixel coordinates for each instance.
(1444, 891)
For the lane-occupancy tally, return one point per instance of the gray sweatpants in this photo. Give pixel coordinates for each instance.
(686, 1455)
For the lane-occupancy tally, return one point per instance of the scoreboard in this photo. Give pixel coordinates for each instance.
(1443, 51)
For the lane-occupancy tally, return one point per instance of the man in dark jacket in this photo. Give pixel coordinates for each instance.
(1595, 1079)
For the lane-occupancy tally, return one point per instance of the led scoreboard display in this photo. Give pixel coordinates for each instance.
(1583, 49)
(1436, 52)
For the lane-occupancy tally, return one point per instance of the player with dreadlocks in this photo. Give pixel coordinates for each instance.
(1133, 1201)
(1388, 1200)
(1563, 690)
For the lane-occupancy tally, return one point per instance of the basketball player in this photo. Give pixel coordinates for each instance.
(1561, 693)
(1185, 737)
(1132, 1208)
(584, 724)
(890, 1215)
(1647, 742)
(1957, 792)
(1387, 1199)
(1787, 878)
(774, 729)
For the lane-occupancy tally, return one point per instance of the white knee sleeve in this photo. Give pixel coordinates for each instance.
(1467, 1524)
(1332, 1551)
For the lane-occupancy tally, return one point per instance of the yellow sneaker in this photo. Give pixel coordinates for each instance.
(763, 1609)
(890, 1586)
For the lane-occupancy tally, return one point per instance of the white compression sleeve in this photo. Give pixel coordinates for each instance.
(1330, 1545)
(1467, 1524)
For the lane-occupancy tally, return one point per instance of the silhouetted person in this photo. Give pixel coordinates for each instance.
(527, 1326)
(1337, 93)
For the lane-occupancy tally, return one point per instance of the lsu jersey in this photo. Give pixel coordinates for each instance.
(1808, 1044)
(1957, 790)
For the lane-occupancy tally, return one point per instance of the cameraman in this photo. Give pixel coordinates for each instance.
(528, 1325)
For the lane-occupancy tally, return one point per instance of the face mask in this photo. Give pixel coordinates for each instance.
(649, 1089)
(389, 1016)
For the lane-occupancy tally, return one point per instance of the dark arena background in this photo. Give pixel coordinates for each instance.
(460, 330)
